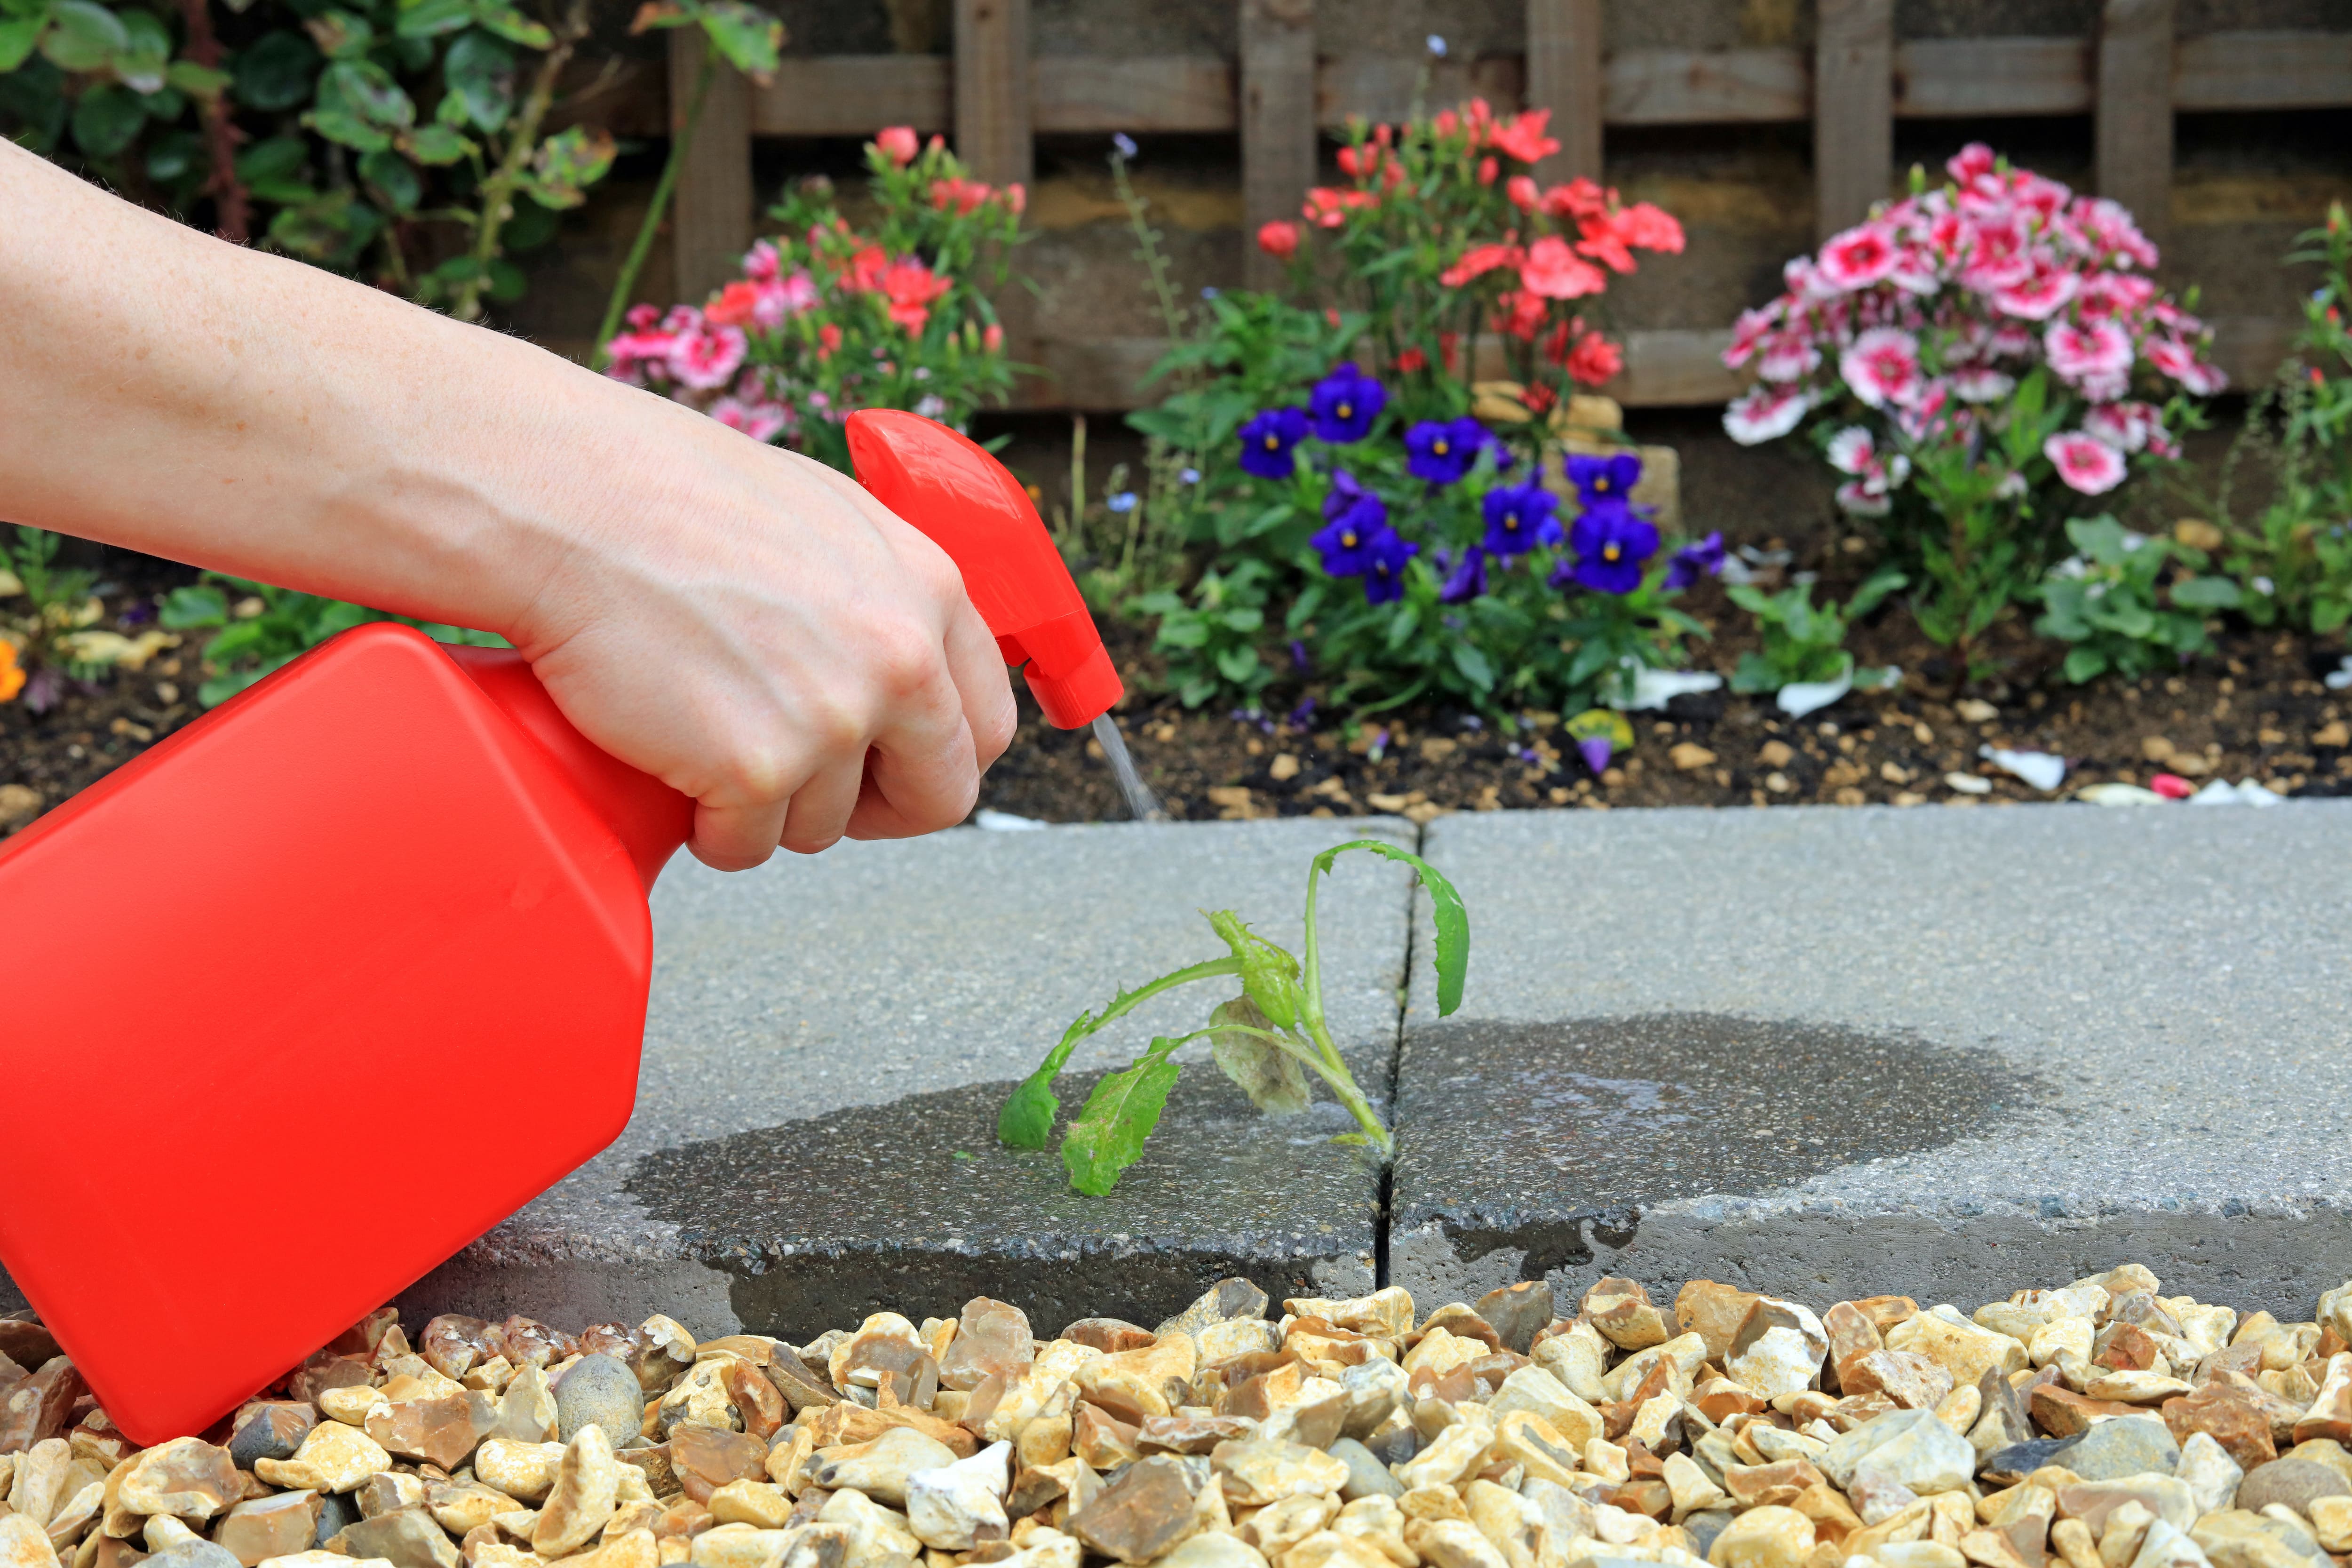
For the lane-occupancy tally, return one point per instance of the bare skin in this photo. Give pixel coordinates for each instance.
(746, 625)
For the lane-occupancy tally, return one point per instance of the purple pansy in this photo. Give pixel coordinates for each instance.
(1519, 517)
(1601, 480)
(1612, 545)
(1345, 403)
(1441, 451)
(1693, 562)
(1268, 440)
(1384, 569)
(1468, 578)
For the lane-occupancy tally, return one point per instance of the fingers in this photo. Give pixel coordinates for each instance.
(977, 667)
(819, 810)
(737, 838)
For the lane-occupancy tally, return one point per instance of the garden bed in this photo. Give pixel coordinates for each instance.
(2257, 708)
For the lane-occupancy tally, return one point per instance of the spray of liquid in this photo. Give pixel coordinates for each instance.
(1141, 802)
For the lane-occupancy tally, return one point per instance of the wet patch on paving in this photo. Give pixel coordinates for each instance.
(914, 1207)
(1582, 1125)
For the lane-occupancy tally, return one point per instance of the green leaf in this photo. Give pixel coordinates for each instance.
(105, 119)
(175, 157)
(1026, 1122)
(193, 606)
(18, 35)
(514, 26)
(1237, 663)
(2085, 663)
(1867, 598)
(370, 91)
(479, 70)
(275, 73)
(431, 18)
(1474, 664)
(1446, 909)
(2206, 594)
(392, 179)
(436, 145)
(745, 37)
(1271, 1076)
(83, 35)
(278, 158)
(197, 81)
(1269, 975)
(340, 35)
(567, 164)
(1106, 1137)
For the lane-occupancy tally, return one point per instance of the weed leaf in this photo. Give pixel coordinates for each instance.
(1270, 1075)
(1446, 910)
(1269, 974)
(1107, 1136)
(1027, 1120)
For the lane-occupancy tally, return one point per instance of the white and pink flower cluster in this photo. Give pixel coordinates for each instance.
(1930, 313)
(690, 356)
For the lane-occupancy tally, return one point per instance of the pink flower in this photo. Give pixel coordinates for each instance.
(707, 359)
(1602, 242)
(760, 421)
(2126, 427)
(1523, 137)
(2179, 361)
(898, 143)
(1764, 413)
(760, 263)
(1882, 366)
(1788, 357)
(991, 337)
(2094, 349)
(634, 353)
(2109, 224)
(911, 286)
(1479, 260)
(797, 292)
(1860, 256)
(2038, 295)
(1651, 228)
(1852, 451)
(2009, 341)
(640, 317)
(1859, 500)
(1553, 271)
(1970, 163)
(1749, 333)
(2107, 294)
(1594, 359)
(1981, 383)
(1522, 191)
(2086, 463)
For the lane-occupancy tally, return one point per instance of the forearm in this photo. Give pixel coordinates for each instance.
(244, 412)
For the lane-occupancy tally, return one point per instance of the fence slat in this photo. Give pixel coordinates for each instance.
(854, 95)
(1707, 87)
(1382, 87)
(1853, 110)
(2262, 70)
(2132, 123)
(711, 212)
(992, 95)
(1564, 75)
(1277, 120)
(1954, 79)
(1142, 92)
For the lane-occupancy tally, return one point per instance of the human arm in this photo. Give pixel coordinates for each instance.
(745, 624)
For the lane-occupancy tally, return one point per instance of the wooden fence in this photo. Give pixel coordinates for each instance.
(993, 97)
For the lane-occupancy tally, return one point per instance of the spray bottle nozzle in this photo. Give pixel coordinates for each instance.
(967, 504)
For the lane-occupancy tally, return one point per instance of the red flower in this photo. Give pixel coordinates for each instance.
(866, 268)
(1278, 239)
(1522, 191)
(1579, 198)
(1328, 209)
(911, 288)
(1016, 197)
(1595, 360)
(1523, 138)
(1444, 122)
(1411, 360)
(991, 337)
(898, 143)
(1519, 313)
(1553, 271)
(965, 195)
(1539, 398)
(1359, 163)
(828, 338)
(1651, 228)
(1480, 260)
(1603, 243)
(1487, 170)
(734, 306)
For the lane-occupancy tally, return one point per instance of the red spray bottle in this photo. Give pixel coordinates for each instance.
(261, 975)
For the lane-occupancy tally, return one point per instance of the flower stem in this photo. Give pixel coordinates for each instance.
(643, 244)
(497, 195)
(232, 215)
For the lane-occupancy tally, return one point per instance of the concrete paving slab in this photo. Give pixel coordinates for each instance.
(829, 1041)
(1828, 1052)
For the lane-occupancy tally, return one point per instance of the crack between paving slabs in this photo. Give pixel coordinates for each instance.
(1384, 1202)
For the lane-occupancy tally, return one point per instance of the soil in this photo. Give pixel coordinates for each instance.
(2256, 709)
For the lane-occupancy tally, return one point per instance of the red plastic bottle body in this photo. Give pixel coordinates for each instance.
(259, 978)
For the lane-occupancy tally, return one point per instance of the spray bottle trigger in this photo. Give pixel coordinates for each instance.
(1014, 655)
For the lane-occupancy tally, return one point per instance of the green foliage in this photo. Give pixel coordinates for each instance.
(1803, 643)
(1210, 636)
(1265, 1040)
(2109, 602)
(266, 629)
(2295, 558)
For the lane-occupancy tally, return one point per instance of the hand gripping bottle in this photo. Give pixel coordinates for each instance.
(261, 978)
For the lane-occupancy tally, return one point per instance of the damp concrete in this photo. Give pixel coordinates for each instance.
(1829, 1052)
(829, 1040)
